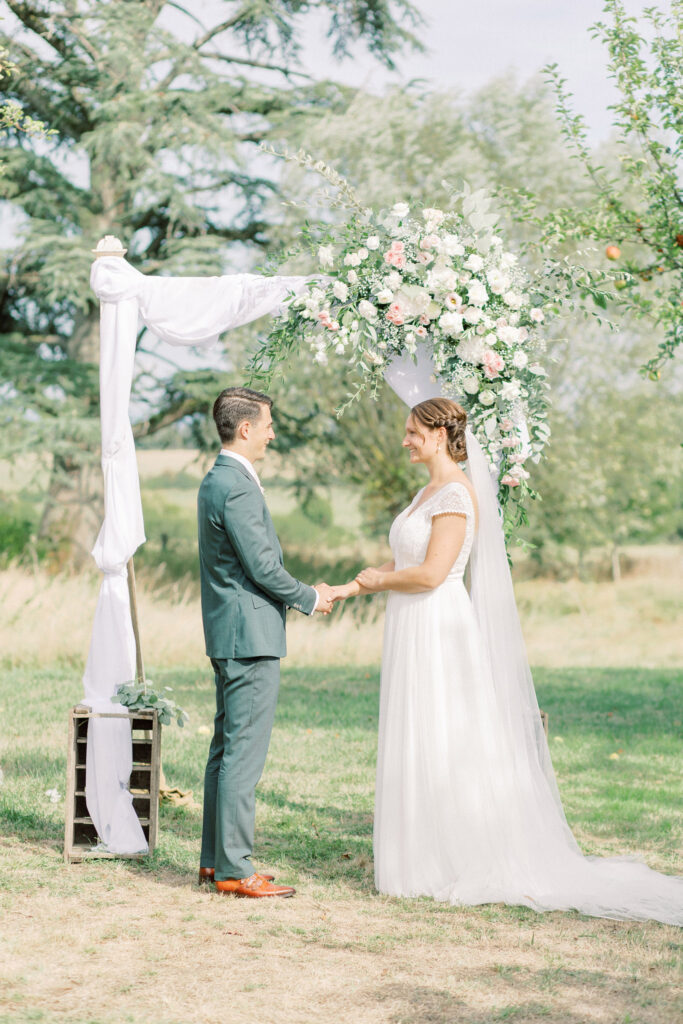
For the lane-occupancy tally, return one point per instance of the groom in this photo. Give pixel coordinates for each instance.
(245, 591)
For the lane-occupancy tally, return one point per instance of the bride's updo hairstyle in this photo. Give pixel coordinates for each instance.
(444, 412)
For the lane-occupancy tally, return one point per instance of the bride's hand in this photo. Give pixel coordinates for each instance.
(345, 590)
(371, 579)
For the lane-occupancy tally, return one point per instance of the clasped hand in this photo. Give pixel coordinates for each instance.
(369, 580)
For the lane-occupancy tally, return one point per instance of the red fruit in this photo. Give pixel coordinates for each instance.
(612, 252)
(679, 240)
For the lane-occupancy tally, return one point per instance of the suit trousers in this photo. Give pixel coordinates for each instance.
(246, 697)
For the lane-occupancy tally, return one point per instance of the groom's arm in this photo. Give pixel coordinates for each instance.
(243, 523)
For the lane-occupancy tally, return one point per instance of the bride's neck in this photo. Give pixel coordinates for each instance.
(442, 471)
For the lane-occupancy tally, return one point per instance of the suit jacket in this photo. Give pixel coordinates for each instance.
(244, 586)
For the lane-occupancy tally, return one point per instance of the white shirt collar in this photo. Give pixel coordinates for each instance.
(246, 463)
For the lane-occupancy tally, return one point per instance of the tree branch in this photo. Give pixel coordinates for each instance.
(167, 417)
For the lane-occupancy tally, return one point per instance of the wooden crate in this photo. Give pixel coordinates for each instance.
(80, 835)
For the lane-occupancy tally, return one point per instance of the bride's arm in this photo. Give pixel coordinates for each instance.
(448, 535)
(354, 589)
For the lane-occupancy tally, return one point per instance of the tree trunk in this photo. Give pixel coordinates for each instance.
(74, 505)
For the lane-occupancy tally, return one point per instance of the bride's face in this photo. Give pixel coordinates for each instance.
(420, 441)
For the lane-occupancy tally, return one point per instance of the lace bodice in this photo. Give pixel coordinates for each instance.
(411, 530)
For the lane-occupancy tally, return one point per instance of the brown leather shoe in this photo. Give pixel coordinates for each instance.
(206, 876)
(254, 887)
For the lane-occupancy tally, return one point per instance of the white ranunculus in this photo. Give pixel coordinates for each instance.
(472, 314)
(498, 282)
(512, 299)
(352, 277)
(340, 291)
(476, 293)
(471, 350)
(385, 296)
(451, 323)
(400, 210)
(367, 310)
(520, 359)
(474, 262)
(470, 385)
(487, 397)
(372, 242)
(326, 256)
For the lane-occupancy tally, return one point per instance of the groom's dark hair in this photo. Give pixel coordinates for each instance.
(235, 405)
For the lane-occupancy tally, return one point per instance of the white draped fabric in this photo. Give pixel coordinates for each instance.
(182, 311)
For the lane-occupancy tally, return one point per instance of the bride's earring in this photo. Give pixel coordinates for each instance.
(438, 447)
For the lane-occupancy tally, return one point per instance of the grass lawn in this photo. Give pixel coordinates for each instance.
(114, 941)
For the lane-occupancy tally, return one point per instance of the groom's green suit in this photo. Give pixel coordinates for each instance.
(245, 592)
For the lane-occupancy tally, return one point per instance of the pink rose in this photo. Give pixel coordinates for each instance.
(493, 363)
(395, 314)
(424, 319)
(421, 332)
(395, 258)
(424, 257)
(509, 442)
(510, 481)
(429, 241)
(506, 424)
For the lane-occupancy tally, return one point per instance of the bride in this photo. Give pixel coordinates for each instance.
(467, 807)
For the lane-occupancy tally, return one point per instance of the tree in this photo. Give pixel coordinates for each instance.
(636, 207)
(157, 143)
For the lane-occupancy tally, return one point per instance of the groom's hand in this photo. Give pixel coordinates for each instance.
(325, 598)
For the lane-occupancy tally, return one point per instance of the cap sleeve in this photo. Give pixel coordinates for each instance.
(453, 499)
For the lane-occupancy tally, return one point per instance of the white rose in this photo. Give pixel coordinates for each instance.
(375, 357)
(340, 291)
(340, 348)
(537, 316)
(367, 310)
(498, 282)
(400, 210)
(450, 245)
(385, 296)
(326, 256)
(470, 385)
(487, 397)
(507, 260)
(372, 242)
(451, 323)
(520, 359)
(472, 315)
(512, 299)
(508, 335)
(477, 294)
(441, 277)
(352, 259)
(471, 350)
(413, 300)
(474, 262)
(510, 391)
(362, 253)
(352, 277)
(433, 216)
(393, 280)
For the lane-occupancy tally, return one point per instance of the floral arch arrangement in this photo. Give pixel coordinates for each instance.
(439, 284)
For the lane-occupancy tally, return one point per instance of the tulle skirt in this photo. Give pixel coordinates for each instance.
(460, 816)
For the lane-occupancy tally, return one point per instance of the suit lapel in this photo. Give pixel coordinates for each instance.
(226, 460)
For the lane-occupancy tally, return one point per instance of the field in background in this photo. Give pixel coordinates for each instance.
(47, 619)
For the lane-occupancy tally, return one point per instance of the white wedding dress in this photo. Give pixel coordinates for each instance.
(466, 812)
